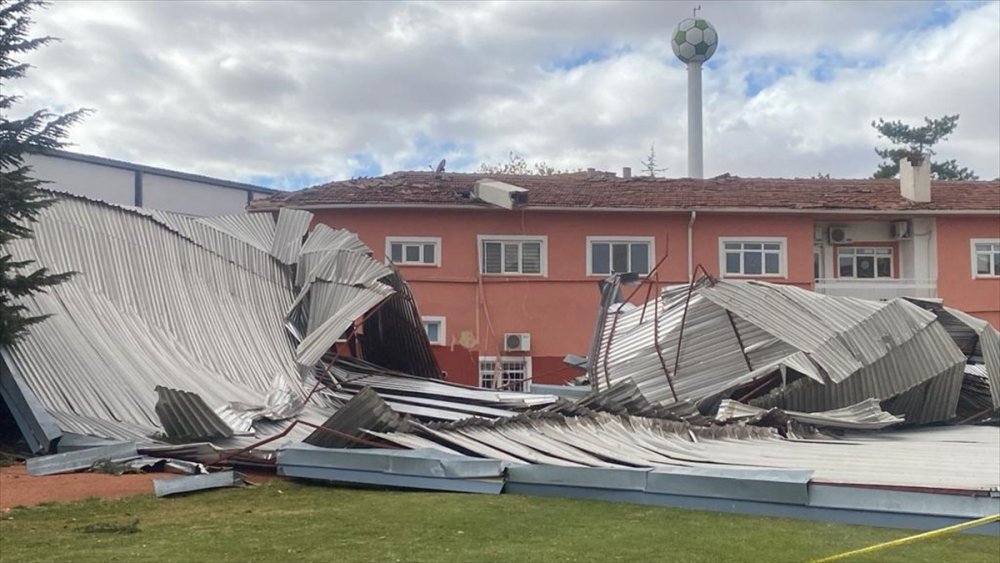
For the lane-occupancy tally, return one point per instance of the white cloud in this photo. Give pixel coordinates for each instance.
(319, 90)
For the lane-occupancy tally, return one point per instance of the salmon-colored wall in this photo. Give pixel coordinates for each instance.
(558, 310)
(956, 284)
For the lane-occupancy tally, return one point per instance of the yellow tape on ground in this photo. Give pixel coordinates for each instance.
(918, 537)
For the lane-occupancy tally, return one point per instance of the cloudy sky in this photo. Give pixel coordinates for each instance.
(289, 95)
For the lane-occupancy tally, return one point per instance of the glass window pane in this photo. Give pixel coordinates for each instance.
(733, 263)
(816, 265)
(396, 252)
(752, 263)
(883, 251)
(983, 264)
(432, 329)
(429, 254)
(492, 258)
(619, 257)
(772, 263)
(751, 246)
(733, 246)
(884, 267)
(866, 267)
(846, 266)
(845, 252)
(772, 246)
(531, 257)
(983, 247)
(640, 258)
(511, 260)
(866, 251)
(600, 258)
(412, 253)
(996, 264)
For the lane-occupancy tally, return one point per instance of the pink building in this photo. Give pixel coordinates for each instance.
(505, 269)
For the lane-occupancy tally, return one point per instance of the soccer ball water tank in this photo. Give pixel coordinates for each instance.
(694, 40)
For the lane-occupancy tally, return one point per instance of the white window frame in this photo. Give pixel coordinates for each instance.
(526, 382)
(544, 254)
(414, 241)
(782, 256)
(442, 327)
(972, 256)
(591, 240)
(891, 256)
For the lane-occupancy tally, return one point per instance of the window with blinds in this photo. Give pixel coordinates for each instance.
(513, 257)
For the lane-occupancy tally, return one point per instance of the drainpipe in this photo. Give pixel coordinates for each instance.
(694, 215)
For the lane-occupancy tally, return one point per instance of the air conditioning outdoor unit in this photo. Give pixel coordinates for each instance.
(517, 342)
(839, 235)
(902, 230)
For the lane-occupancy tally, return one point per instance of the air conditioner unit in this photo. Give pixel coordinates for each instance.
(517, 342)
(839, 235)
(902, 230)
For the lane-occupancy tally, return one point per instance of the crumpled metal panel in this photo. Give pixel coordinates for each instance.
(956, 457)
(866, 415)
(291, 228)
(188, 303)
(394, 335)
(186, 418)
(365, 411)
(848, 349)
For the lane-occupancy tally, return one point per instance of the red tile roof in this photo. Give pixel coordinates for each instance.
(589, 190)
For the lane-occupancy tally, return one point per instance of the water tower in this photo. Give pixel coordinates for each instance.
(694, 42)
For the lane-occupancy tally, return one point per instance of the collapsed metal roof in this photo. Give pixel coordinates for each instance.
(782, 346)
(233, 313)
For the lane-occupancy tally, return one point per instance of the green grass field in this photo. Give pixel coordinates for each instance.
(289, 521)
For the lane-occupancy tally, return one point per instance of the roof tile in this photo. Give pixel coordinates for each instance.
(607, 191)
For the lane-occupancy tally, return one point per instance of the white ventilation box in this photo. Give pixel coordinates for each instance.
(500, 194)
(839, 235)
(517, 342)
(902, 230)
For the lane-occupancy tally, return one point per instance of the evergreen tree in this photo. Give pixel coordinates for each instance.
(649, 165)
(916, 142)
(20, 198)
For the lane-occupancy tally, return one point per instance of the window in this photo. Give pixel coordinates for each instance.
(505, 373)
(607, 255)
(414, 251)
(864, 263)
(763, 256)
(985, 258)
(513, 255)
(435, 329)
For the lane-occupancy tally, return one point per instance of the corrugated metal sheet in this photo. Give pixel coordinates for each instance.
(728, 334)
(291, 229)
(394, 336)
(186, 418)
(197, 304)
(961, 457)
(866, 415)
(365, 411)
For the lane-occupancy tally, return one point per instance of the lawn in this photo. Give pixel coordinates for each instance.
(288, 521)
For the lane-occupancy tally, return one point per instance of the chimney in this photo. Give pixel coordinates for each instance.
(915, 178)
(627, 173)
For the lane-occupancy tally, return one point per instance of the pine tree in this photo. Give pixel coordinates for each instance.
(649, 165)
(20, 197)
(916, 142)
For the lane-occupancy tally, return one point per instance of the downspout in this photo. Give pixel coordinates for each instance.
(694, 215)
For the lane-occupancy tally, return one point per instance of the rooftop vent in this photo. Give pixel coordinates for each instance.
(500, 194)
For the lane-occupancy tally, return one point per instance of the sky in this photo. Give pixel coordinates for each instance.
(290, 95)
